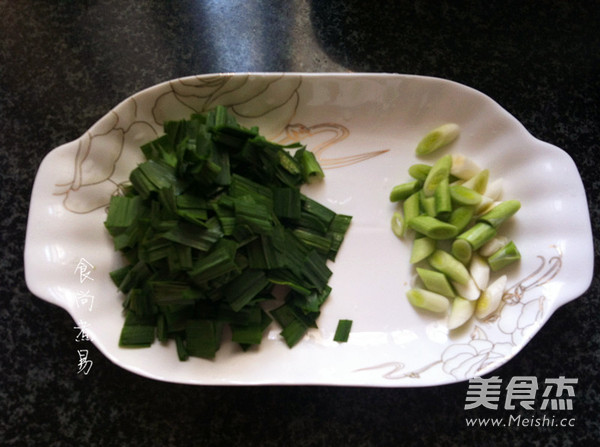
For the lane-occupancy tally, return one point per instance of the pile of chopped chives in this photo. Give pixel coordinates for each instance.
(210, 224)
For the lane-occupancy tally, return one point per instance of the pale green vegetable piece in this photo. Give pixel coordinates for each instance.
(501, 212)
(493, 245)
(450, 266)
(463, 168)
(428, 300)
(465, 196)
(462, 250)
(494, 189)
(461, 217)
(402, 191)
(491, 297)
(419, 171)
(411, 207)
(432, 227)
(485, 204)
(478, 182)
(462, 310)
(427, 204)
(478, 234)
(398, 224)
(435, 282)
(438, 138)
(480, 271)
(504, 257)
(439, 171)
(421, 249)
(468, 291)
(442, 199)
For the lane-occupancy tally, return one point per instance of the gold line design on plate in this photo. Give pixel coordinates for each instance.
(300, 132)
(516, 317)
(96, 176)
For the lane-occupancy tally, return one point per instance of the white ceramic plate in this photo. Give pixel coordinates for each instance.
(364, 128)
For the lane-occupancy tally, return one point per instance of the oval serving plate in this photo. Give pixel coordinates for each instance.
(363, 128)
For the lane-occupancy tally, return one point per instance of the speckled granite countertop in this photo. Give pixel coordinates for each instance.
(64, 64)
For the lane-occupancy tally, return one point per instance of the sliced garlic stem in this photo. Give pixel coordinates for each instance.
(490, 298)
(494, 189)
(468, 291)
(493, 245)
(478, 182)
(398, 224)
(438, 138)
(480, 271)
(463, 168)
(428, 300)
(485, 205)
(461, 311)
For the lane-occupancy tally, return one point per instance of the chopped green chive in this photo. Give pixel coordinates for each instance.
(213, 220)
(251, 332)
(138, 331)
(202, 338)
(181, 350)
(342, 332)
(124, 211)
(311, 169)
